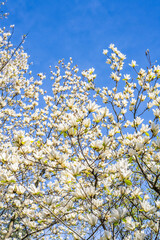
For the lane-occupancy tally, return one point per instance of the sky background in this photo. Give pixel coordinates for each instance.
(81, 29)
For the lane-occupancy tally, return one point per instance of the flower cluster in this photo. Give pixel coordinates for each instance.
(87, 164)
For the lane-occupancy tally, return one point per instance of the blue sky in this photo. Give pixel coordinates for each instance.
(81, 29)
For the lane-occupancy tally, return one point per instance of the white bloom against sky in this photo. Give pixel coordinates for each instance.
(81, 29)
(78, 159)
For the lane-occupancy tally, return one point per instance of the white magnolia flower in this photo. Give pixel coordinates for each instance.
(132, 152)
(111, 46)
(76, 168)
(157, 143)
(133, 64)
(34, 189)
(49, 200)
(129, 237)
(107, 235)
(14, 167)
(154, 128)
(20, 189)
(79, 193)
(98, 144)
(105, 51)
(147, 207)
(139, 235)
(130, 225)
(73, 121)
(90, 191)
(115, 77)
(87, 122)
(63, 127)
(127, 77)
(92, 106)
(158, 203)
(20, 139)
(138, 121)
(17, 203)
(97, 203)
(91, 219)
(117, 214)
(97, 117)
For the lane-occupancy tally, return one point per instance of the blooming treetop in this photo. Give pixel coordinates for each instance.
(87, 164)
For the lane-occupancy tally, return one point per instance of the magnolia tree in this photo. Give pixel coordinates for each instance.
(86, 165)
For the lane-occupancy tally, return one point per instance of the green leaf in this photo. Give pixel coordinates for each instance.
(128, 182)
(12, 181)
(65, 134)
(141, 210)
(116, 223)
(40, 221)
(147, 134)
(140, 198)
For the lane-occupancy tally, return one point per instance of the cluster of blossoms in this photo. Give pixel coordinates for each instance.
(87, 164)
